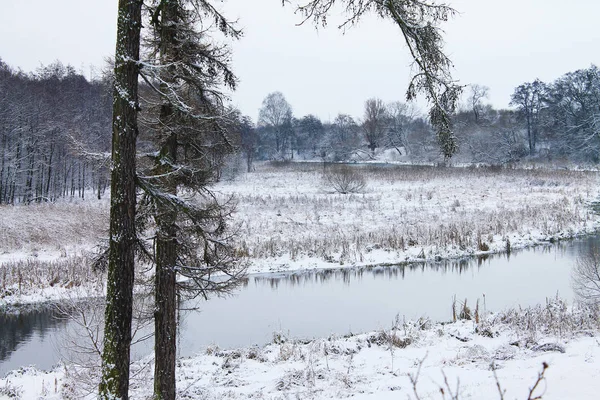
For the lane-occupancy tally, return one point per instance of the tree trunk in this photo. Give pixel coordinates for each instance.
(114, 383)
(165, 322)
(165, 297)
(249, 160)
(17, 171)
(72, 179)
(65, 188)
(47, 194)
(28, 195)
(83, 181)
(2, 169)
(100, 179)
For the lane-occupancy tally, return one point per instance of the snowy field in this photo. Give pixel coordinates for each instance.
(290, 218)
(410, 360)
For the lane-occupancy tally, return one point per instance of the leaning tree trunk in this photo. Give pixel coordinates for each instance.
(114, 383)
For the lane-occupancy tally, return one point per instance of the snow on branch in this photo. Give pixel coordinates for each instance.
(418, 22)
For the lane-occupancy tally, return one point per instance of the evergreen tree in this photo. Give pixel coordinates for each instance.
(189, 135)
(114, 382)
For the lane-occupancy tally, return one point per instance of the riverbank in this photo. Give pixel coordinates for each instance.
(409, 360)
(289, 218)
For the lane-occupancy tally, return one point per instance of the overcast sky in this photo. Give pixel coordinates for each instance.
(500, 44)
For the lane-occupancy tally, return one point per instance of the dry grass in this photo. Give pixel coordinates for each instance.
(405, 213)
(554, 318)
(285, 211)
(29, 276)
(52, 226)
(47, 246)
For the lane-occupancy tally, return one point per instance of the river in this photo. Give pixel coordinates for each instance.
(321, 303)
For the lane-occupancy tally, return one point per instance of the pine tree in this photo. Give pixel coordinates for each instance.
(189, 133)
(114, 382)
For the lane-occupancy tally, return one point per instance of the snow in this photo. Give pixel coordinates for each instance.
(288, 219)
(379, 365)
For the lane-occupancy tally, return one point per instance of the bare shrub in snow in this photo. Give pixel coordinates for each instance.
(344, 179)
(10, 391)
(82, 343)
(554, 318)
(586, 277)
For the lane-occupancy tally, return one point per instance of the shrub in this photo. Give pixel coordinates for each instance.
(11, 392)
(345, 179)
(586, 277)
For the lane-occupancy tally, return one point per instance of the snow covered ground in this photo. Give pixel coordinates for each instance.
(411, 360)
(289, 218)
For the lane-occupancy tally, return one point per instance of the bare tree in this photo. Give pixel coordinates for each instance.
(586, 277)
(276, 115)
(401, 116)
(530, 100)
(309, 132)
(476, 94)
(342, 140)
(574, 111)
(248, 137)
(375, 124)
(418, 21)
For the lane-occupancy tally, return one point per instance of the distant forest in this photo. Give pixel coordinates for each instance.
(50, 123)
(55, 130)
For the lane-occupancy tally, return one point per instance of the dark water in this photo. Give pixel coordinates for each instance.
(316, 304)
(25, 335)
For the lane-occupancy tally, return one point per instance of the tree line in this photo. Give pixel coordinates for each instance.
(55, 129)
(559, 120)
(279, 135)
(54, 134)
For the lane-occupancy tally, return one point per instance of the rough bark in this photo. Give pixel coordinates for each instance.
(165, 322)
(189, 135)
(114, 382)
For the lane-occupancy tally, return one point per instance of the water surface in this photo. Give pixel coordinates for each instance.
(325, 302)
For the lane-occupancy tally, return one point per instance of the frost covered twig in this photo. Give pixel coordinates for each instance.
(540, 378)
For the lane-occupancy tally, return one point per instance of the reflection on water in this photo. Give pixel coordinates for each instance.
(17, 330)
(456, 266)
(331, 301)
(346, 275)
(322, 302)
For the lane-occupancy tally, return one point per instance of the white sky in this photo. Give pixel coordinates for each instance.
(500, 44)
